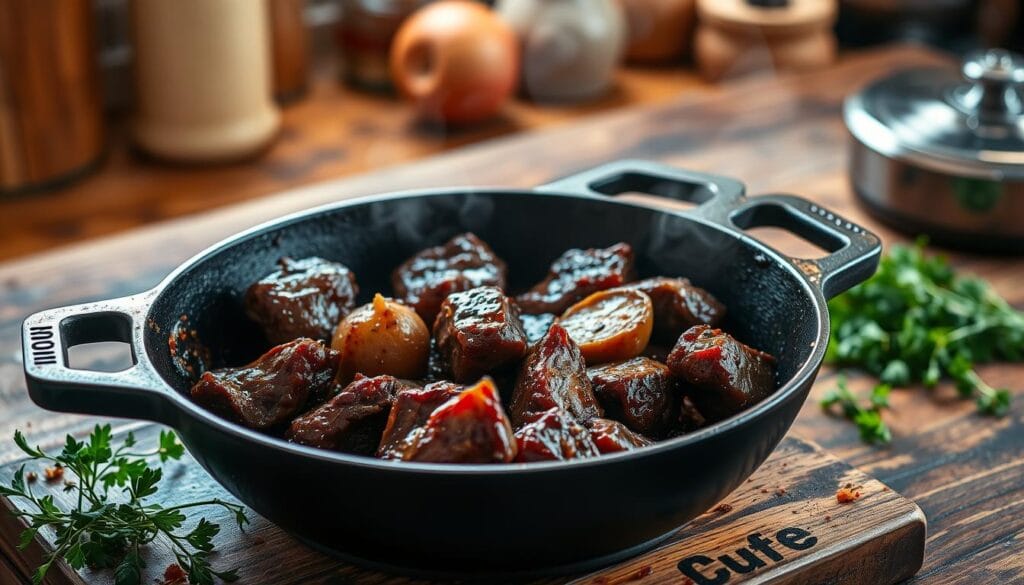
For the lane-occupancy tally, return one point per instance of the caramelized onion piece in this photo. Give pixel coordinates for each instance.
(382, 337)
(611, 325)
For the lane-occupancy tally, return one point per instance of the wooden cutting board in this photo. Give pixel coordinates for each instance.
(784, 525)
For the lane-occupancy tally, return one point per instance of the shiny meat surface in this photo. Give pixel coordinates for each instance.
(576, 274)
(553, 375)
(478, 331)
(352, 420)
(273, 389)
(641, 393)
(554, 436)
(611, 436)
(724, 375)
(303, 298)
(464, 262)
(412, 409)
(679, 305)
(471, 427)
(536, 326)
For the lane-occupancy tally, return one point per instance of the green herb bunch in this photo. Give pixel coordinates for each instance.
(108, 527)
(917, 321)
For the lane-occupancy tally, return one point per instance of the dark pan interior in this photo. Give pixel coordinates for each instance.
(768, 304)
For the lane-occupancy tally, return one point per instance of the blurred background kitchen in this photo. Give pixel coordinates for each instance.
(119, 113)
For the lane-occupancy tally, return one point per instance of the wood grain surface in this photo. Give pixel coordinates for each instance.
(333, 131)
(965, 471)
(876, 540)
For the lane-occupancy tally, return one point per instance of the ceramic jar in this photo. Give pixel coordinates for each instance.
(570, 48)
(739, 36)
(203, 79)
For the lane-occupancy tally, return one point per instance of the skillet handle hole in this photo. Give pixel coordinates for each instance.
(98, 342)
(687, 193)
(788, 232)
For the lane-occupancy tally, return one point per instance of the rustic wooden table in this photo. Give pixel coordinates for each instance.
(333, 131)
(965, 471)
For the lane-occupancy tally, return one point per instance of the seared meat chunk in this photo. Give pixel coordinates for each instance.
(553, 375)
(464, 262)
(304, 298)
(679, 305)
(576, 274)
(639, 392)
(724, 375)
(611, 436)
(412, 409)
(273, 389)
(536, 326)
(554, 436)
(352, 420)
(470, 428)
(478, 331)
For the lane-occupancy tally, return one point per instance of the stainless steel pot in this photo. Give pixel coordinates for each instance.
(942, 154)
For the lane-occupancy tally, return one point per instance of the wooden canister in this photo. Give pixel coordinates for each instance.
(290, 42)
(51, 115)
(739, 36)
(203, 79)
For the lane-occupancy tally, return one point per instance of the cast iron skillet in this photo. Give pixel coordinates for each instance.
(474, 519)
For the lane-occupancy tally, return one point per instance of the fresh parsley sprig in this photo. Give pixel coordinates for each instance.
(917, 321)
(107, 528)
(868, 418)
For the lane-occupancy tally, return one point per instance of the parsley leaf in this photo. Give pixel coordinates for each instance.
(917, 321)
(867, 418)
(105, 530)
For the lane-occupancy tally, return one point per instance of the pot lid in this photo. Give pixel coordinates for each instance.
(968, 124)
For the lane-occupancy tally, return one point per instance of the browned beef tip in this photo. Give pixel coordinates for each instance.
(576, 274)
(639, 392)
(304, 298)
(464, 262)
(478, 331)
(723, 375)
(273, 389)
(611, 436)
(679, 305)
(471, 427)
(412, 408)
(351, 421)
(536, 326)
(554, 436)
(553, 375)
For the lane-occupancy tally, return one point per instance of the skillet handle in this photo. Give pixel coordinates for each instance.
(712, 193)
(136, 392)
(854, 252)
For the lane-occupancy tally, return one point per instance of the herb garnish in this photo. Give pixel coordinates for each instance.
(867, 418)
(103, 533)
(916, 321)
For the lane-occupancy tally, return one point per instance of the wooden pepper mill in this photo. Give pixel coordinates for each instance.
(739, 36)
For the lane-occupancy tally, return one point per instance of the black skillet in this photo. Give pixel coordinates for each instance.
(476, 519)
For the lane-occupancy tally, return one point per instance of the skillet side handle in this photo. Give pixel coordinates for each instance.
(136, 392)
(715, 195)
(854, 251)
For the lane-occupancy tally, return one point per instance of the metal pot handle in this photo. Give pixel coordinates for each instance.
(136, 392)
(854, 251)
